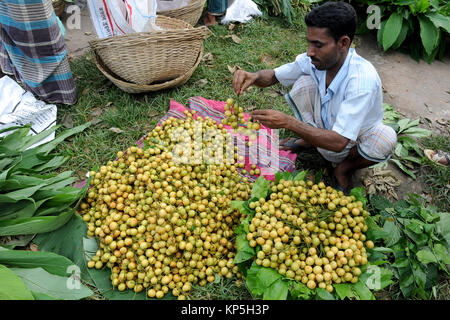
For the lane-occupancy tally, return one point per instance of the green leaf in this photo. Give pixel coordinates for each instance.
(66, 241)
(393, 233)
(417, 132)
(285, 175)
(426, 256)
(359, 194)
(49, 146)
(244, 250)
(49, 261)
(323, 294)
(39, 280)
(374, 232)
(428, 33)
(12, 287)
(439, 20)
(402, 167)
(376, 278)
(442, 253)
(260, 188)
(344, 290)
(240, 206)
(380, 33)
(401, 37)
(277, 290)
(300, 176)
(392, 30)
(35, 224)
(362, 291)
(267, 276)
(443, 226)
(252, 280)
(299, 291)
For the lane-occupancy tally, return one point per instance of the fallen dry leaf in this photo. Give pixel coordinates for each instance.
(202, 82)
(33, 247)
(231, 26)
(236, 39)
(67, 121)
(234, 68)
(116, 130)
(96, 121)
(96, 112)
(86, 90)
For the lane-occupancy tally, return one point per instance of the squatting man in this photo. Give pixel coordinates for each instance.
(336, 96)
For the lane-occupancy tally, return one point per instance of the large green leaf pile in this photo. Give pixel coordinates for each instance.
(33, 200)
(421, 26)
(415, 238)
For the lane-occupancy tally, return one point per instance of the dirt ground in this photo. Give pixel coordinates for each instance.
(416, 90)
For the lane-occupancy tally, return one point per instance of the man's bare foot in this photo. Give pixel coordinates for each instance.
(342, 179)
(294, 144)
(209, 20)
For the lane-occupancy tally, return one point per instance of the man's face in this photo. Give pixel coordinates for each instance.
(322, 49)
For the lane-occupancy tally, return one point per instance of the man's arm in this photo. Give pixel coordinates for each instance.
(321, 138)
(262, 78)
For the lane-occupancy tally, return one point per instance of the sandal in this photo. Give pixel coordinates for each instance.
(293, 147)
(439, 157)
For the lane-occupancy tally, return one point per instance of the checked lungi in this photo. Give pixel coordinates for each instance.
(32, 49)
(376, 143)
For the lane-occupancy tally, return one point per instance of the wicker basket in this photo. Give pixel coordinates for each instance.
(59, 7)
(190, 13)
(140, 88)
(146, 57)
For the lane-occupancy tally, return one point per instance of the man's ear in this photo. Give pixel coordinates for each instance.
(344, 42)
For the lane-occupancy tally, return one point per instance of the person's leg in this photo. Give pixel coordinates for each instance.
(345, 169)
(216, 8)
(304, 100)
(374, 145)
(36, 53)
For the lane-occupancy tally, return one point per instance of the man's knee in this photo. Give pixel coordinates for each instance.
(378, 144)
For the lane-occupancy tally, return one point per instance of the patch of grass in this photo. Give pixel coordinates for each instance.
(434, 178)
(224, 289)
(265, 44)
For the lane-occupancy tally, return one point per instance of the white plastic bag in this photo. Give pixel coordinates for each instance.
(166, 5)
(241, 11)
(117, 17)
(19, 107)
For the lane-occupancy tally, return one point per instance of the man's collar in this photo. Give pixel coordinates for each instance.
(342, 72)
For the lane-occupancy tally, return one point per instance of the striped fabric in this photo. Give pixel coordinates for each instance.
(217, 7)
(33, 50)
(375, 143)
(264, 153)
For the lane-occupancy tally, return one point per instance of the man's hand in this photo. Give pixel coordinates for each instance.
(242, 80)
(271, 118)
(262, 78)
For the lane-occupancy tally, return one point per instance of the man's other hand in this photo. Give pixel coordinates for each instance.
(271, 118)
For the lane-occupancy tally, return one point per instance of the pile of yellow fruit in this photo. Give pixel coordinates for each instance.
(165, 224)
(310, 233)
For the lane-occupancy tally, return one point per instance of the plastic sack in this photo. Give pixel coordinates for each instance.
(19, 107)
(166, 5)
(241, 11)
(118, 17)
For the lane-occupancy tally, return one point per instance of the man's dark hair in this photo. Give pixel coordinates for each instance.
(338, 17)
